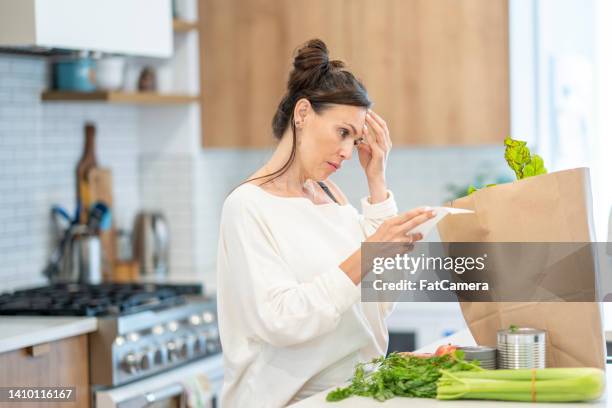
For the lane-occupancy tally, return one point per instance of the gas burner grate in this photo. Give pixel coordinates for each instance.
(95, 300)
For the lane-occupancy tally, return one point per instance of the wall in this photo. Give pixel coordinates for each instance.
(149, 150)
(166, 184)
(40, 145)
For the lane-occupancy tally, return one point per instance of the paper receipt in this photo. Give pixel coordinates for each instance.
(441, 212)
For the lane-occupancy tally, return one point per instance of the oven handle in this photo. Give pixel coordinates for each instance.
(167, 392)
(148, 398)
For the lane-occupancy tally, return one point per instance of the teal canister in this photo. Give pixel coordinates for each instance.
(74, 75)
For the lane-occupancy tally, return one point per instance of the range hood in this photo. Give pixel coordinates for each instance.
(130, 27)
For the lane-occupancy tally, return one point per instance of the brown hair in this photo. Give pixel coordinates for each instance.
(322, 82)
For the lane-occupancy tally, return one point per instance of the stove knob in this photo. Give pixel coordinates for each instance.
(173, 351)
(212, 340)
(159, 356)
(199, 346)
(130, 363)
(189, 345)
(146, 361)
(184, 350)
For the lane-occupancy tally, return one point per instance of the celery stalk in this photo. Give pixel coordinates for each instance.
(526, 373)
(551, 384)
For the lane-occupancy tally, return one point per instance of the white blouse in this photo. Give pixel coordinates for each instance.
(291, 321)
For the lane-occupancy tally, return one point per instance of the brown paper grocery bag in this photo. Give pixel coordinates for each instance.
(553, 207)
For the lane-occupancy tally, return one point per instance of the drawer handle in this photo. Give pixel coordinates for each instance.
(38, 350)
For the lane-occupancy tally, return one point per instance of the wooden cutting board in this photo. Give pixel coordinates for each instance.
(101, 189)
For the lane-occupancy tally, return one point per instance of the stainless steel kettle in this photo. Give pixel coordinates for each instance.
(151, 243)
(81, 259)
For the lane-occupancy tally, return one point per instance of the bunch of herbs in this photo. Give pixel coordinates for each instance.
(401, 375)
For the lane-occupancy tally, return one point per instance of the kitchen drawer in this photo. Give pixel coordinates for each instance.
(58, 363)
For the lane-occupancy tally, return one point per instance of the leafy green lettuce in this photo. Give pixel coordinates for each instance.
(521, 161)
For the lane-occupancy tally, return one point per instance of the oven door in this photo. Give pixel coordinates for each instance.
(169, 389)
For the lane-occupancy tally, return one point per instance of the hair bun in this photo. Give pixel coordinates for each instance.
(311, 55)
(311, 64)
(321, 81)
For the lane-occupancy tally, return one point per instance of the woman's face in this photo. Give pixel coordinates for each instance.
(328, 139)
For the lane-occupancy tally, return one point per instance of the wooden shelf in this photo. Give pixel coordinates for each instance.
(183, 26)
(142, 98)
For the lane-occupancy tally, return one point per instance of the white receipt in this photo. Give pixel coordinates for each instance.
(441, 212)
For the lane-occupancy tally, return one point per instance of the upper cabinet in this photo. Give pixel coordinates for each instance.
(132, 27)
(437, 71)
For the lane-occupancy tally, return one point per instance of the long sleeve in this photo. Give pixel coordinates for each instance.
(373, 215)
(276, 307)
(290, 320)
(386, 308)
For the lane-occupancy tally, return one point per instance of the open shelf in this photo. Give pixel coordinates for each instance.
(144, 98)
(183, 26)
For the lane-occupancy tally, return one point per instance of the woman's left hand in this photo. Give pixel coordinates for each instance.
(373, 154)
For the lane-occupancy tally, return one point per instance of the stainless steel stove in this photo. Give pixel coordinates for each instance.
(146, 332)
(126, 348)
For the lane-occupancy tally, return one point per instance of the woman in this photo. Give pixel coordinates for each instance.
(289, 268)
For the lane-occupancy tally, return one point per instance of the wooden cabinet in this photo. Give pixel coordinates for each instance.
(58, 363)
(437, 70)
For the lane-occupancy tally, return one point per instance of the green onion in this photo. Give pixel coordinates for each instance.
(548, 384)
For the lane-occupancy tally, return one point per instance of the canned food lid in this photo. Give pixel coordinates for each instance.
(479, 353)
(521, 331)
(477, 348)
(521, 335)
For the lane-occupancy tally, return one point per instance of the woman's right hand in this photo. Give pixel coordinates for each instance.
(394, 229)
(397, 229)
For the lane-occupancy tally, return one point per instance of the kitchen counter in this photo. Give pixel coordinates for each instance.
(23, 331)
(463, 338)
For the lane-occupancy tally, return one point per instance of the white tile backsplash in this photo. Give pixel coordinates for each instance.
(40, 145)
(166, 185)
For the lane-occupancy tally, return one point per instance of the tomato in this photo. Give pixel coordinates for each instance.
(445, 349)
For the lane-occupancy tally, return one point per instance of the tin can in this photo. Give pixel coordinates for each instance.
(522, 347)
(484, 354)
